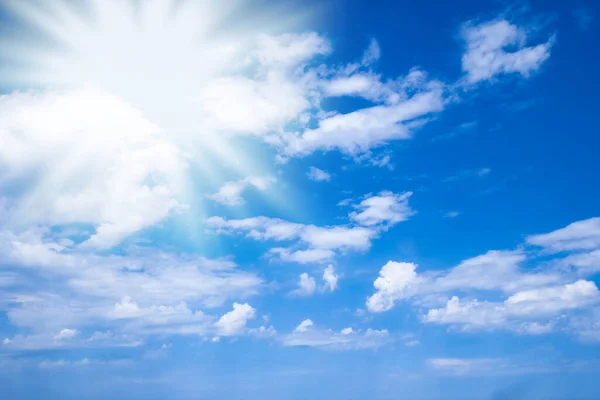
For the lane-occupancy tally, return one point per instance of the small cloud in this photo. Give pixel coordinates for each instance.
(306, 286)
(66, 334)
(451, 214)
(230, 193)
(462, 129)
(330, 279)
(234, 322)
(499, 47)
(304, 326)
(468, 173)
(318, 175)
(484, 171)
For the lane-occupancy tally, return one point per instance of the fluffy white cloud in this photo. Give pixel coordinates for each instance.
(177, 318)
(231, 192)
(142, 293)
(318, 175)
(494, 270)
(306, 286)
(304, 325)
(234, 322)
(385, 208)
(330, 279)
(86, 156)
(499, 47)
(468, 315)
(517, 309)
(554, 299)
(394, 279)
(361, 130)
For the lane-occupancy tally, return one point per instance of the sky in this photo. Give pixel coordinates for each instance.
(299, 200)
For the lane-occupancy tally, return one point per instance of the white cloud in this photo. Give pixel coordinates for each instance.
(363, 129)
(499, 47)
(176, 318)
(306, 286)
(554, 299)
(372, 53)
(330, 278)
(234, 322)
(263, 332)
(140, 293)
(321, 242)
(66, 334)
(306, 334)
(494, 270)
(580, 235)
(586, 263)
(394, 279)
(468, 315)
(304, 325)
(385, 208)
(308, 256)
(123, 177)
(515, 311)
(231, 192)
(318, 175)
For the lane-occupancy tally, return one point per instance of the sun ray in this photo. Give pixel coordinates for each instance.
(156, 55)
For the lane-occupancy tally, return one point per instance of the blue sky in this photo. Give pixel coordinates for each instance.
(275, 200)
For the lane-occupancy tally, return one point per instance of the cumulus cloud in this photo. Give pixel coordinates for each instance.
(394, 278)
(494, 270)
(535, 298)
(500, 47)
(234, 322)
(516, 311)
(306, 286)
(385, 208)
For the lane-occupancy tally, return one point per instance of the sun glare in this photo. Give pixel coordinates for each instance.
(156, 55)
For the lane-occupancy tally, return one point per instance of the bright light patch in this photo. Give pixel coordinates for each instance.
(159, 57)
